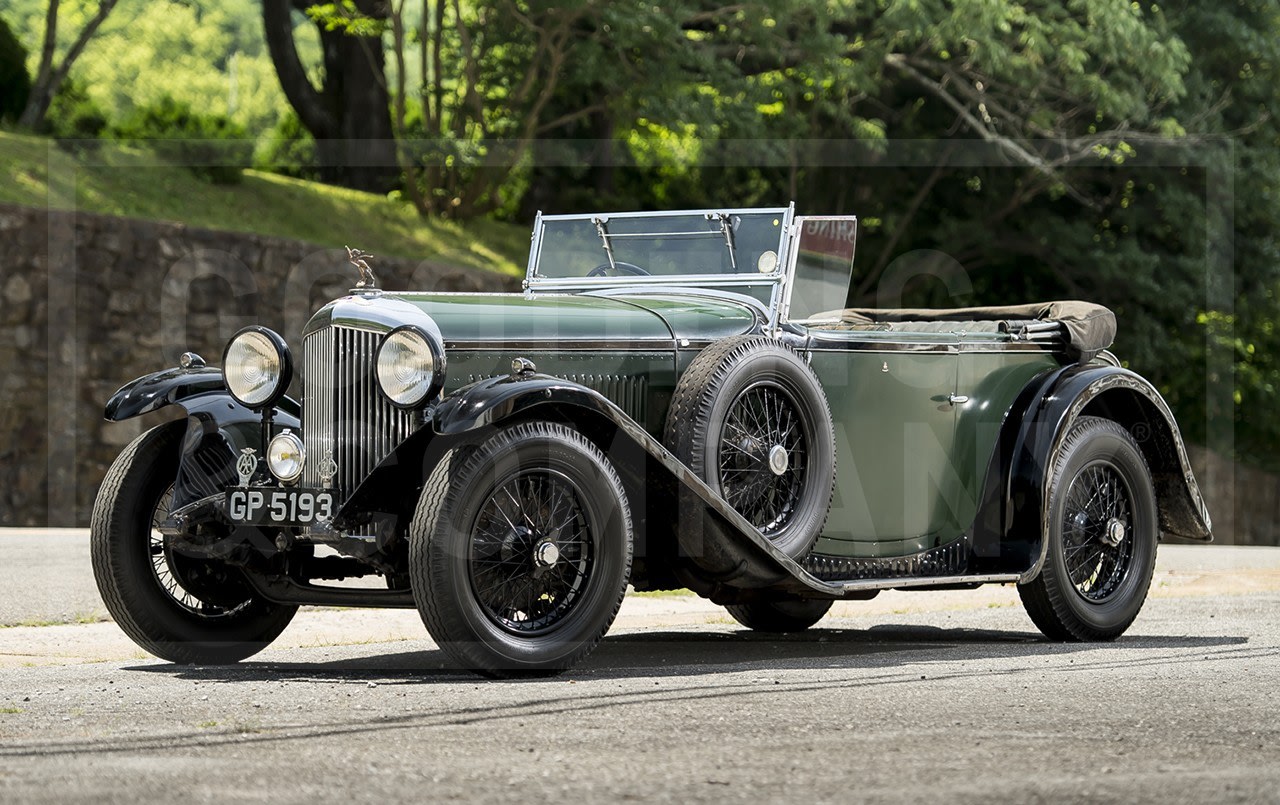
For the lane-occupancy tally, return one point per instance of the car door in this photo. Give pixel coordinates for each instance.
(891, 395)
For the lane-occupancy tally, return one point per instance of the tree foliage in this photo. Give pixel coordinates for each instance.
(209, 145)
(53, 71)
(210, 54)
(1120, 152)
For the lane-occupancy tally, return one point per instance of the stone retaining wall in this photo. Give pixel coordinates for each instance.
(88, 302)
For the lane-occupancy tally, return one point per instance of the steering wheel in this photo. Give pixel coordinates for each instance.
(618, 266)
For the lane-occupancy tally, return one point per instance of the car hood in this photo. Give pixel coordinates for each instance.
(515, 318)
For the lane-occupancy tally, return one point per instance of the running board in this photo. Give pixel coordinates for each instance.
(859, 585)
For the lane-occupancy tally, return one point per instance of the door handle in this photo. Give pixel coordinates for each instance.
(957, 399)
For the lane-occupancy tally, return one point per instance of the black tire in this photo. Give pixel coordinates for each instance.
(1103, 531)
(780, 616)
(739, 394)
(490, 592)
(180, 608)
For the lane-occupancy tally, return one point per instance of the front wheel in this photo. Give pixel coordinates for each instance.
(1102, 537)
(181, 608)
(520, 551)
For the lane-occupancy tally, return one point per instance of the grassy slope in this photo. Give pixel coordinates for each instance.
(123, 180)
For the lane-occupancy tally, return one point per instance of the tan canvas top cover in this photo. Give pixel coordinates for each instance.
(1088, 328)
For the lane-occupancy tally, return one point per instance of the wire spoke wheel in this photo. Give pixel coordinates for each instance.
(169, 569)
(751, 419)
(763, 456)
(520, 550)
(532, 551)
(1097, 538)
(182, 607)
(1101, 530)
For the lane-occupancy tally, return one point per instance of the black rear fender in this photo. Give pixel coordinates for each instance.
(1011, 531)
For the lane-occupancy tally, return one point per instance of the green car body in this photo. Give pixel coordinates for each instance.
(909, 465)
(946, 428)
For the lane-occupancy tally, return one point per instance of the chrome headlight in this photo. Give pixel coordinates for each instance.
(410, 366)
(257, 367)
(286, 456)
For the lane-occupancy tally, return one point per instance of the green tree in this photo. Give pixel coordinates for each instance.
(210, 54)
(51, 74)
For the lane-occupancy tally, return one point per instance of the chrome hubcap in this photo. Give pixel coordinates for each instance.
(778, 460)
(1114, 533)
(546, 555)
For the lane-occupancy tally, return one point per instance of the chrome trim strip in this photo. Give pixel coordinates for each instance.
(749, 302)
(668, 344)
(924, 346)
(535, 247)
(873, 348)
(926, 581)
(629, 281)
(568, 345)
(786, 245)
(587, 216)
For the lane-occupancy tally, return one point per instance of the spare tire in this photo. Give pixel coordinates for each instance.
(751, 419)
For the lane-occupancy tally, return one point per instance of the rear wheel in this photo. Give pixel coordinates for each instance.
(520, 551)
(185, 609)
(1102, 537)
(780, 616)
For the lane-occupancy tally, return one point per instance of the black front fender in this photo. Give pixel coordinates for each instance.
(159, 389)
(218, 427)
(179, 386)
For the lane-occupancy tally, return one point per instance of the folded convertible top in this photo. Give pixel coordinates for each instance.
(1087, 329)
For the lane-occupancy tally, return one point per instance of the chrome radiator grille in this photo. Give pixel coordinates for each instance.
(343, 414)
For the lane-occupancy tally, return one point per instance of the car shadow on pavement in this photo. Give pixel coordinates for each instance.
(697, 653)
(908, 656)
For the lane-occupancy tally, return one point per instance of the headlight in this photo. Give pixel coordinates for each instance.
(286, 456)
(257, 367)
(410, 366)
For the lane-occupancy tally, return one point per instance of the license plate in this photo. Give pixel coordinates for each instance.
(274, 506)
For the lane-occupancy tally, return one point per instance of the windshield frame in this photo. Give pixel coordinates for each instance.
(534, 282)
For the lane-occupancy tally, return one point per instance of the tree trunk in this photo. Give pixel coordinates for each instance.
(350, 114)
(49, 79)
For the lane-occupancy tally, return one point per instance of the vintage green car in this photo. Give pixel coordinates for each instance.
(675, 399)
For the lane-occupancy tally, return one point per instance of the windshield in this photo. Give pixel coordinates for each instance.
(685, 244)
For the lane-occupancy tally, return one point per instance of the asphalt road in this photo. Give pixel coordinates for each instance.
(45, 577)
(943, 696)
